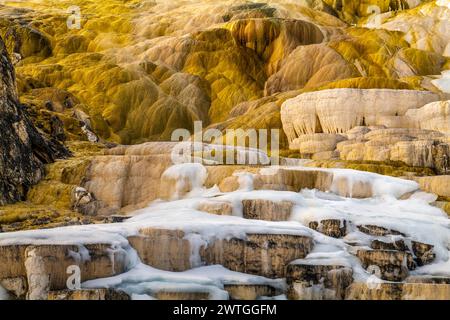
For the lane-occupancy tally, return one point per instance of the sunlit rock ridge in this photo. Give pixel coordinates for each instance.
(357, 207)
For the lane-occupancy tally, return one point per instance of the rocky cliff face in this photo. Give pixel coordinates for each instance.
(23, 150)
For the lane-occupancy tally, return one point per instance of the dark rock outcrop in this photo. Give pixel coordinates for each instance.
(23, 149)
(331, 227)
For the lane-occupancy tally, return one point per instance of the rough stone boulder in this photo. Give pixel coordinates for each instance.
(23, 150)
(392, 245)
(84, 202)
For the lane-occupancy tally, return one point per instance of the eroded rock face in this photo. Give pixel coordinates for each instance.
(382, 291)
(320, 65)
(428, 151)
(266, 210)
(140, 175)
(413, 147)
(330, 227)
(249, 292)
(42, 268)
(417, 252)
(426, 291)
(25, 41)
(260, 254)
(284, 179)
(216, 207)
(12, 261)
(23, 150)
(339, 110)
(418, 289)
(439, 185)
(293, 180)
(391, 265)
(163, 249)
(317, 282)
(433, 116)
(423, 252)
(383, 126)
(279, 179)
(274, 39)
(136, 168)
(426, 287)
(377, 230)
